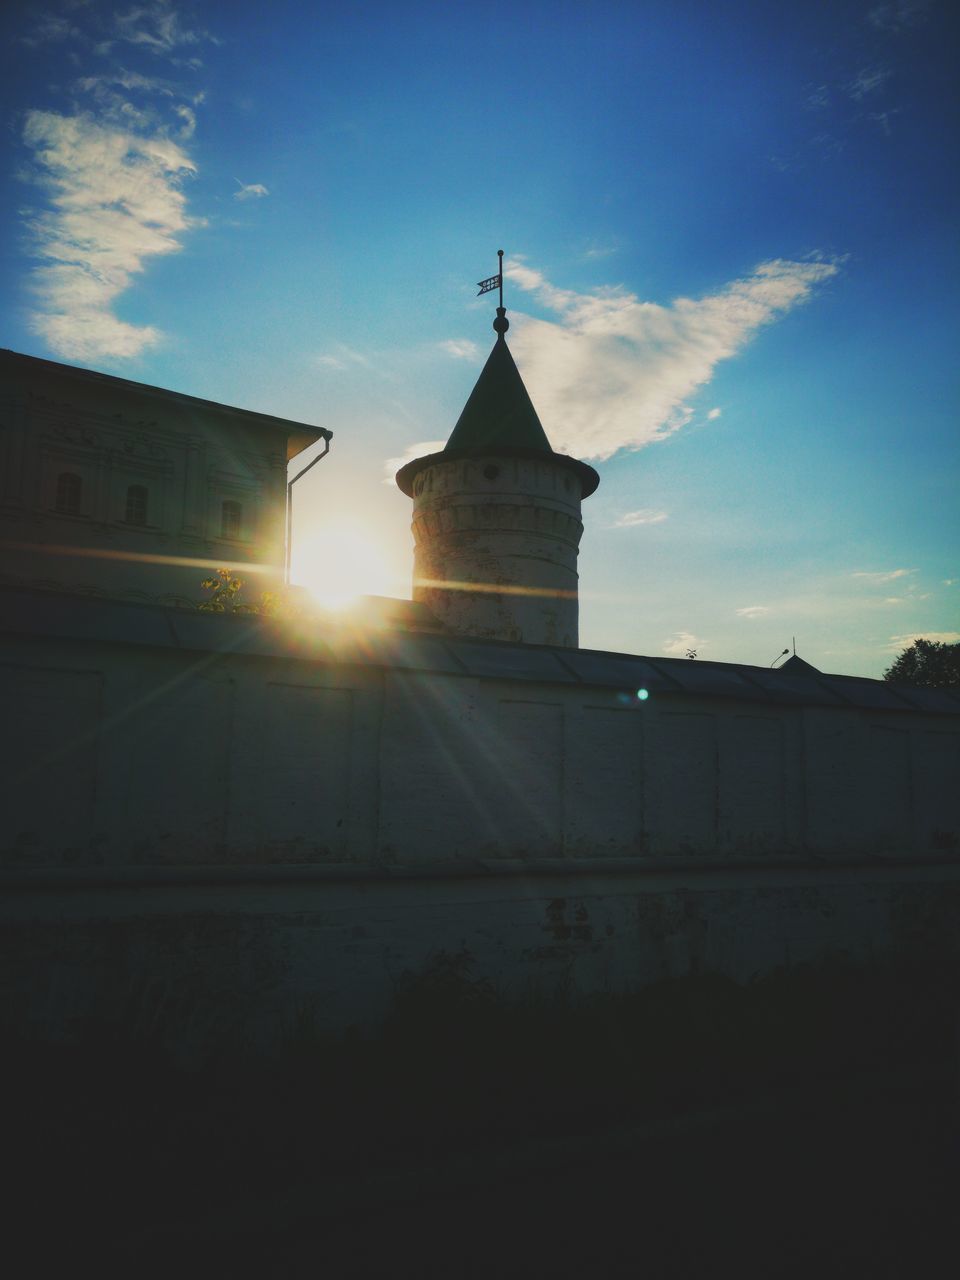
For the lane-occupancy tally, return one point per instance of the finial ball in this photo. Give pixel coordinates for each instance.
(501, 324)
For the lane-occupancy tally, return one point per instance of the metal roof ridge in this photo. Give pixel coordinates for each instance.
(166, 393)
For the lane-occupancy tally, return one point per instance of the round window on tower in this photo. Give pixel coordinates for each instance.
(491, 472)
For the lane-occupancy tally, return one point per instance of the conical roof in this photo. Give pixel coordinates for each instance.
(499, 411)
(498, 418)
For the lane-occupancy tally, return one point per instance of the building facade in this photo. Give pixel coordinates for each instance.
(128, 489)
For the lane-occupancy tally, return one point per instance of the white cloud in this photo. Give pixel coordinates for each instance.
(249, 190)
(645, 516)
(903, 642)
(113, 174)
(713, 415)
(419, 450)
(341, 357)
(818, 97)
(189, 118)
(50, 28)
(681, 643)
(595, 251)
(115, 200)
(898, 14)
(753, 611)
(132, 81)
(460, 348)
(888, 575)
(613, 372)
(883, 118)
(155, 26)
(950, 582)
(867, 81)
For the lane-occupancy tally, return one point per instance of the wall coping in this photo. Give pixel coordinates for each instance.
(58, 615)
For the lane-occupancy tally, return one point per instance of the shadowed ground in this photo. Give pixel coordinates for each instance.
(802, 1125)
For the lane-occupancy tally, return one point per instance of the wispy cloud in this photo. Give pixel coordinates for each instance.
(113, 172)
(49, 28)
(854, 95)
(681, 644)
(867, 81)
(115, 201)
(899, 15)
(884, 575)
(250, 190)
(188, 118)
(613, 372)
(460, 348)
(903, 642)
(883, 118)
(419, 450)
(647, 515)
(342, 357)
(818, 97)
(753, 611)
(595, 251)
(950, 582)
(713, 415)
(156, 26)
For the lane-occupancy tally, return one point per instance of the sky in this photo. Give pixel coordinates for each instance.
(731, 239)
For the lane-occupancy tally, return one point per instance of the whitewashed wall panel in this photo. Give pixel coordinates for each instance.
(685, 760)
(528, 767)
(49, 740)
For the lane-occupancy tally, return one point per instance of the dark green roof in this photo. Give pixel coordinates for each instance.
(499, 418)
(499, 412)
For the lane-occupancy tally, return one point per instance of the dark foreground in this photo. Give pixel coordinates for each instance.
(803, 1126)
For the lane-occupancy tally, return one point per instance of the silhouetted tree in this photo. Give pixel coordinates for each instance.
(929, 664)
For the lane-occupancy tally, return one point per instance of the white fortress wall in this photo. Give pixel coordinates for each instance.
(190, 798)
(164, 757)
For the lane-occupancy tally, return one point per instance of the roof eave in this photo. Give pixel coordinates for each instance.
(589, 479)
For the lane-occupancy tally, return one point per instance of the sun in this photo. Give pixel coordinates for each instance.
(338, 563)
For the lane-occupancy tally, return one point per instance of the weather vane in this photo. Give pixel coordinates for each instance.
(501, 324)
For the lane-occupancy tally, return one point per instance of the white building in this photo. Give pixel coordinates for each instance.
(125, 488)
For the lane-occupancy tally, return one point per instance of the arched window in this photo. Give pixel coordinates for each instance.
(69, 489)
(231, 515)
(136, 504)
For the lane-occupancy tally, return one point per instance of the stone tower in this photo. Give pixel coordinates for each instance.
(496, 517)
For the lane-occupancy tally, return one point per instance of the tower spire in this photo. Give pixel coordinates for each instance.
(496, 513)
(501, 324)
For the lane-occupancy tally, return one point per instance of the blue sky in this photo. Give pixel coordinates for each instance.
(731, 238)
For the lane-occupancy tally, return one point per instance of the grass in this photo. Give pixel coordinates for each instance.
(109, 1137)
